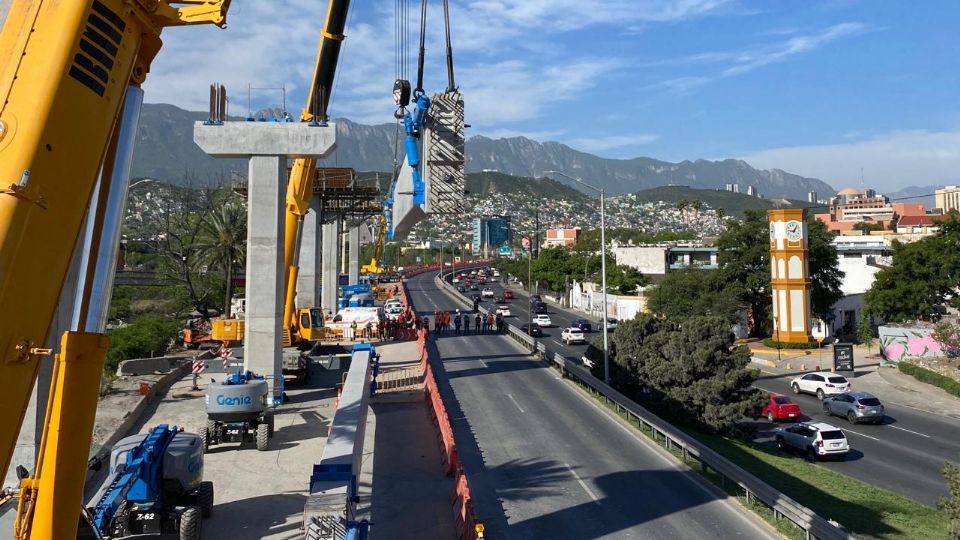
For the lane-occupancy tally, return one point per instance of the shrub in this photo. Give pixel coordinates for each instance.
(930, 377)
(146, 336)
(774, 344)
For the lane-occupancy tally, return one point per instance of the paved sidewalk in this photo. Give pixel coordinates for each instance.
(886, 382)
(404, 492)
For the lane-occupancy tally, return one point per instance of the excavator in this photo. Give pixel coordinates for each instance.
(70, 93)
(302, 325)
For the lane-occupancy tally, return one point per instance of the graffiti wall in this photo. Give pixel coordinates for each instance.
(898, 342)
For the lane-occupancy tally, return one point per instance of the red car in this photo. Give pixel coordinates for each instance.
(779, 407)
(507, 295)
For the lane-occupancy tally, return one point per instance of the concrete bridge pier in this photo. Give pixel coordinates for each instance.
(267, 145)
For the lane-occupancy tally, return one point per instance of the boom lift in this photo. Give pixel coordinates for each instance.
(301, 325)
(67, 69)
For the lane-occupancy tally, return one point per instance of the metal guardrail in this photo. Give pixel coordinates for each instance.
(815, 526)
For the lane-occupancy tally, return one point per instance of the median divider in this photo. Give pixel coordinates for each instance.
(675, 440)
(461, 501)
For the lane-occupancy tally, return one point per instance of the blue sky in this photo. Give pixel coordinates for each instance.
(820, 88)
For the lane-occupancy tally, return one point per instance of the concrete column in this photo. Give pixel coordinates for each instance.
(262, 332)
(354, 269)
(308, 280)
(330, 264)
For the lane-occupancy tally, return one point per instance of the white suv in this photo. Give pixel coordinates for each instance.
(572, 335)
(814, 439)
(542, 321)
(487, 293)
(821, 383)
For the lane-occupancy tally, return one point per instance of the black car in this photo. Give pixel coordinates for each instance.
(461, 288)
(535, 298)
(583, 324)
(534, 330)
(473, 287)
(500, 299)
(539, 308)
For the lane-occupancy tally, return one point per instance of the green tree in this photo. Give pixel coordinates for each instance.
(690, 292)
(865, 329)
(950, 506)
(867, 228)
(745, 264)
(948, 335)
(691, 371)
(922, 278)
(225, 243)
(826, 277)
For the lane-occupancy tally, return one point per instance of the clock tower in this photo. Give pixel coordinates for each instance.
(790, 275)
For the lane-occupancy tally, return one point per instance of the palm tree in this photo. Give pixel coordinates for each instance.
(697, 205)
(225, 245)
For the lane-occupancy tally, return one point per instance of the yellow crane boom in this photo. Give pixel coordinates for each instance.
(304, 171)
(65, 68)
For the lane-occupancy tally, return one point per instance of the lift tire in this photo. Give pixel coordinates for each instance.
(270, 421)
(263, 436)
(205, 498)
(191, 520)
(204, 440)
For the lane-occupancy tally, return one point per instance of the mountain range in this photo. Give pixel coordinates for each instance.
(165, 151)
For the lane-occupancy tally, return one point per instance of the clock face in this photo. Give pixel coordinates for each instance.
(773, 231)
(794, 231)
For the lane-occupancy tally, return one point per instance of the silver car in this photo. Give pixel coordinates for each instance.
(855, 407)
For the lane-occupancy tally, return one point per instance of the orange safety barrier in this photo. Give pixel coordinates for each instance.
(465, 519)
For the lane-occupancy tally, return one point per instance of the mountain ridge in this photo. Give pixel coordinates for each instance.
(165, 150)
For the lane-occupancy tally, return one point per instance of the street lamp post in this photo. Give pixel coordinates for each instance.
(603, 270)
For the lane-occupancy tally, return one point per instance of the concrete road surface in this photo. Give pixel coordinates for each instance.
(545, 461)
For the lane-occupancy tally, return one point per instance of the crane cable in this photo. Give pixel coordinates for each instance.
(451, 85)
(418, 91)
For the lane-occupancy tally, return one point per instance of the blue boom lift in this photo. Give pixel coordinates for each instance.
(155, 488)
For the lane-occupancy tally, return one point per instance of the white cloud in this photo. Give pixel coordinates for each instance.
(794, 46)
(609, 142)
(513, 56)
(744, 61)
(890, 162)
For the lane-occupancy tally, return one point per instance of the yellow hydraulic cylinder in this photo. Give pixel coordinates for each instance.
(60, 481)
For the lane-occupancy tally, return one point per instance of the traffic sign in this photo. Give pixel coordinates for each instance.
(525, 242)
(505, 250)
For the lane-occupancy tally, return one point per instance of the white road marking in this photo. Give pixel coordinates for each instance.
(860, 434)
(907, 430)
(557, 342)
(582, 483)
(515, 403)
(484, 364)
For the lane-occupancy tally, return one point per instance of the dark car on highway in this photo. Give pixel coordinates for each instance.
(473, 287)
(583, 324)
(536, 298)
(539, 308)
(461, 288)
(534, 330)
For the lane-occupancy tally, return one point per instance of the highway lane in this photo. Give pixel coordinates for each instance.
(545, 461)
(905, 455)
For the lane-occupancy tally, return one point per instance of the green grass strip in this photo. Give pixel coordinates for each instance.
(866, 511)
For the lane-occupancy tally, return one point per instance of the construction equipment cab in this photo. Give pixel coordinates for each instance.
(308, 326)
